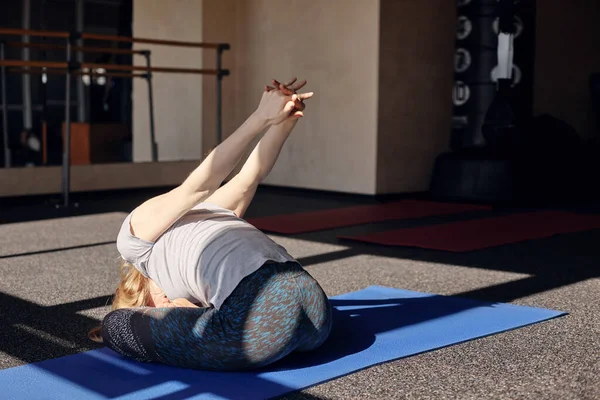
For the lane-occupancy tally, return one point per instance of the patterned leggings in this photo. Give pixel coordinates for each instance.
(276, 310)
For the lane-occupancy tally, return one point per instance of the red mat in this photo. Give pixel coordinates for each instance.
(482, 233)
(348, 216)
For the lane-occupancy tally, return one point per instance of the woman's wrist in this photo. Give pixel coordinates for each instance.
(260, 120)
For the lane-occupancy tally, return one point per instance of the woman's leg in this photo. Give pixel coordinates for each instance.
(273, 312)
(316, 326)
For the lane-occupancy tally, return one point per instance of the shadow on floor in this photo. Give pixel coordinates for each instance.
(109, 375)
(31, 332)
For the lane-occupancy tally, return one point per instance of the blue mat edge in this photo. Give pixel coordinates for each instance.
(557, 315)
(553, 314)
(561, 313)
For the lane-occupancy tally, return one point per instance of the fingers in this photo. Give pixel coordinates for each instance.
(289, 107)
(305, 96)
(300, 106)
(288, 83)
(297, 86)
(295, 106)
(290, 86)
(285, 90)
(298, 100)
(283, 87)
(291, 81)
(288, 91)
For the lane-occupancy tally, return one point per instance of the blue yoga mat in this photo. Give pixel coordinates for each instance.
(371, 326)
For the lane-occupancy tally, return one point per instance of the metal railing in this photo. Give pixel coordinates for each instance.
(72, 68)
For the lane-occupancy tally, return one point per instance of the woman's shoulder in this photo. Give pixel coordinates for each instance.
(132, 248)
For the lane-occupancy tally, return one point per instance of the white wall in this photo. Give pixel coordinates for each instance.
(334, 45)
(177, 97)
(416, 74)
(370, 129)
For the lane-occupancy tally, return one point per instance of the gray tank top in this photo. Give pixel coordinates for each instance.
(203, 256)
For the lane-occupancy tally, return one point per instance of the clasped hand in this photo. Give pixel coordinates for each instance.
(281, 101)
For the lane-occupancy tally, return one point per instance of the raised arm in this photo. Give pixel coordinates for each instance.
(237, 194)
(155, 216)
(262, 159)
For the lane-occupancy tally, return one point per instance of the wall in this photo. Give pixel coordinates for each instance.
(415, 86)
(222, 23)
(380, 69)
(177, 97)
(334, 45)
(567, 51)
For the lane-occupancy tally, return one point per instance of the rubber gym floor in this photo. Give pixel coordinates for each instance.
(59, 267)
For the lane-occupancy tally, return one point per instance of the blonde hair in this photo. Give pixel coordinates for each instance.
(133, 291)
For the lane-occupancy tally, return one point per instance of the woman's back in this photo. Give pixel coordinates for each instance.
(203, 256)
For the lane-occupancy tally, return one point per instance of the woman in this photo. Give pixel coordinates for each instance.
(202, 288)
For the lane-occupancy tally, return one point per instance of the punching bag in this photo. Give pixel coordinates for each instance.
(474, 59)
(500, 126)
(477, 69)
(493, 91)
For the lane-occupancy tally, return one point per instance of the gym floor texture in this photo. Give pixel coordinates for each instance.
(58, 269)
